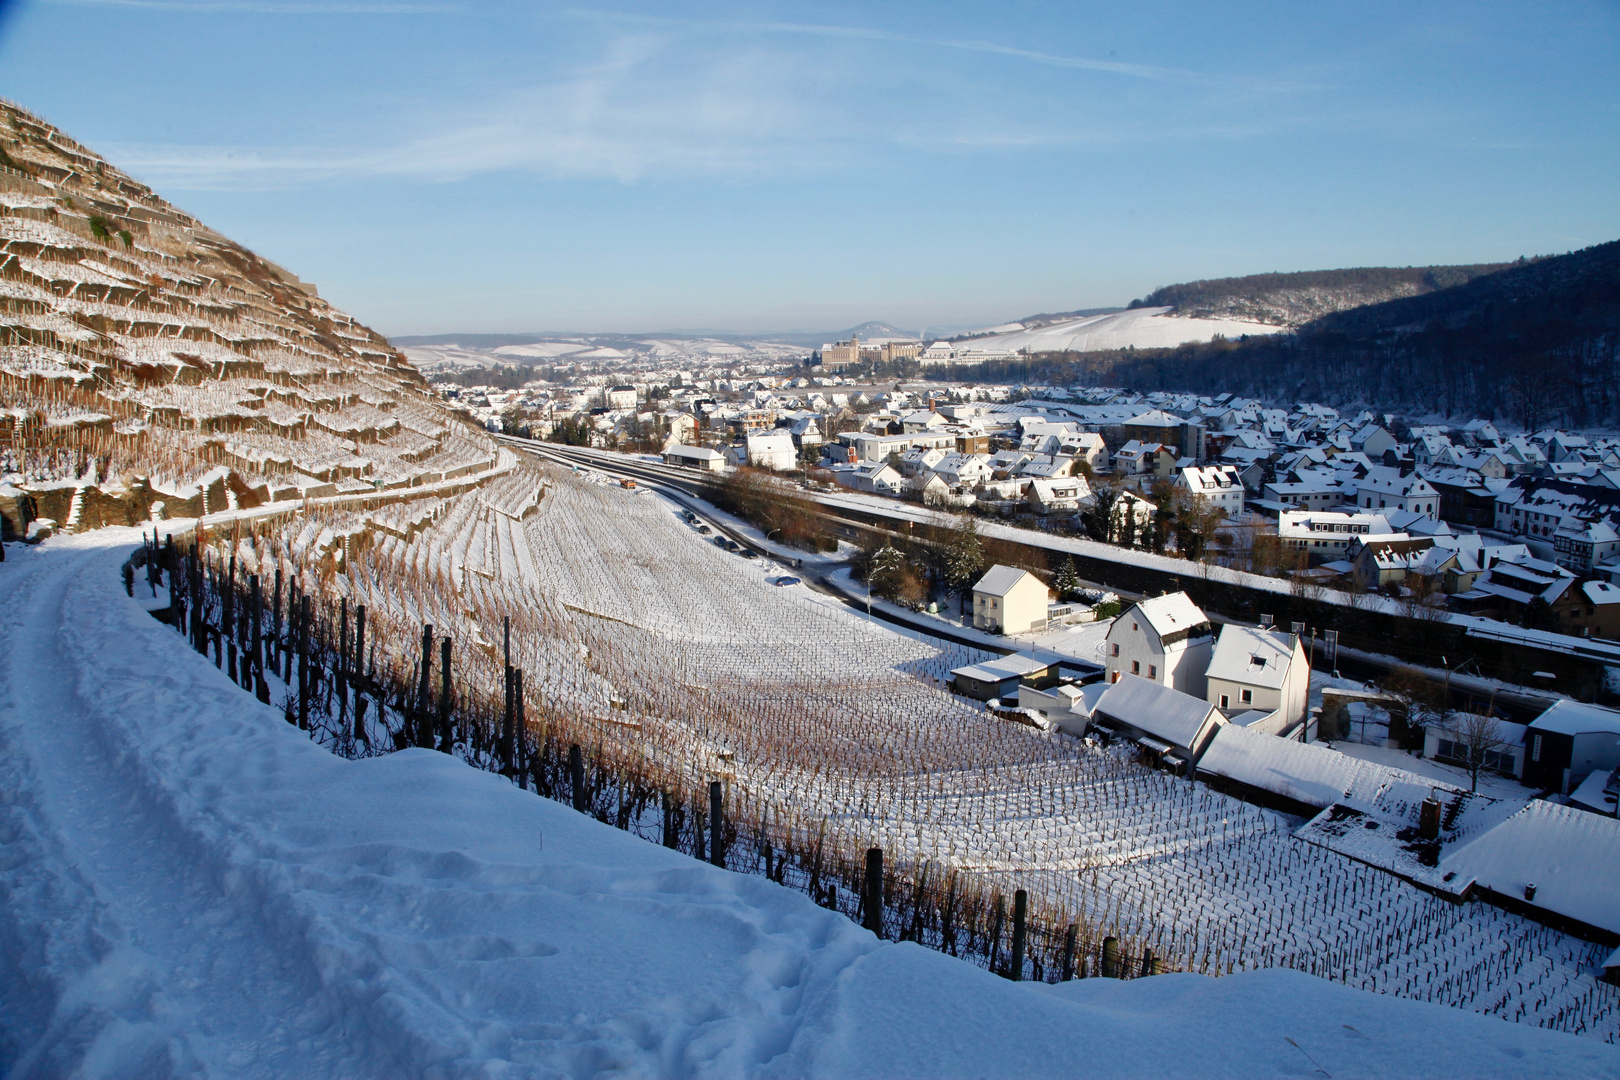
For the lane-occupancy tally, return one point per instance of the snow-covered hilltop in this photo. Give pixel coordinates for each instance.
(1141, 328)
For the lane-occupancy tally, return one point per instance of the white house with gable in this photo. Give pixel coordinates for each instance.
(1008, 600)
(1219, 486)
(1259, 671)
(1384, 488)
(772, 450)
(1166, 640)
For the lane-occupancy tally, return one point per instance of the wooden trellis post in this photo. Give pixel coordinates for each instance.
(872, 893)
(447, 735)
(1020, 913)
(717, 825)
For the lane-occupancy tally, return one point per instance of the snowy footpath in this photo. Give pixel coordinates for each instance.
(190, 887)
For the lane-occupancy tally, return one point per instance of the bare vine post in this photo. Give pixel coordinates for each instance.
(357, 665)
(304, 688)
(717, 825)
(1020, 914)
(521, 732)
(227, 620)
(340, 675)
(424, 693)
(447, 734)
(872, 894)
(576, 778)
(261, 689)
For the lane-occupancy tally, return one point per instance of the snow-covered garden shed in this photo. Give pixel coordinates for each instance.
(1176, 726)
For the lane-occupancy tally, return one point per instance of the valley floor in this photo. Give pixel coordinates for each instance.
(190, 887)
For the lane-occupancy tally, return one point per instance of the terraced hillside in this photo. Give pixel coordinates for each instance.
(144, 359)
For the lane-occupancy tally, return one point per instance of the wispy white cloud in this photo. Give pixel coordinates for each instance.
(633, 113)
(650, 100)
(268, 7)
(1126, 69)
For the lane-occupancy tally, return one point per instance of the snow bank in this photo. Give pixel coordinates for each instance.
(191, 887)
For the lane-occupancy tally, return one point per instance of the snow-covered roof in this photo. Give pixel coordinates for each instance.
(1158, 710)
(1577, 718)
(1593, 793)
(698, 453)
(1015, 666)
(1387, 481)
(1252, 656)
(1305, 772)
(1169, 613)
(1155, 418)
(1571, 856)
(1000, 580)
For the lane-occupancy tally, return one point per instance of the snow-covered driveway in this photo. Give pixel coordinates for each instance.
(188, 886)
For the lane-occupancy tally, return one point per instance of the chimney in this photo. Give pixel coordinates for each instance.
(1429, 819)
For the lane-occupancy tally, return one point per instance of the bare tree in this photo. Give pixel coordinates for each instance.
(1477, 743)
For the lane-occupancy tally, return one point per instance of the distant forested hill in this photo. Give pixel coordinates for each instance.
(1536, 342)
(1296, 299)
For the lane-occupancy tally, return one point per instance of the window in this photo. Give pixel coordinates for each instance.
(1153, 671)
(1535, 748)
(1248, 697)
(1134, 627)
(1116, 648)
(1136, 667)
(1225, 701)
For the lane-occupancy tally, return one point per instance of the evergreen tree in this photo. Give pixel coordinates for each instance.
(887, 571)
(964, 558)
(1067, 582)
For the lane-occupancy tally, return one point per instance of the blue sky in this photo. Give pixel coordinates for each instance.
(444, 166)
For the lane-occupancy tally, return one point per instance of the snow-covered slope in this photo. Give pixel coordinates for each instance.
(1144, 328)
(192, 888)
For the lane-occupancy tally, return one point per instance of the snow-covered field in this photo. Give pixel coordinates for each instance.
(1145, 328)
(193, 888)
(683, 655)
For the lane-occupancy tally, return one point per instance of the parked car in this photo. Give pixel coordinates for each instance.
(703, 530)
(749, 553)
(784, 581)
